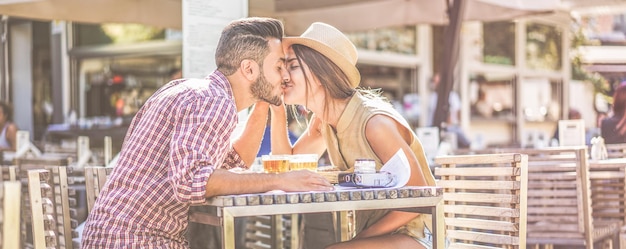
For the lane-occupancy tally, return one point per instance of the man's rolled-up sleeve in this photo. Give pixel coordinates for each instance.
(234, 160)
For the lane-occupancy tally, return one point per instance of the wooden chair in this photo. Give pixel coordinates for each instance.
(10, 194)
(559, 200)
(53, 222)
(616, 150)
(484, 199)
(8, 173)
(41, 198)
(260, 233)
(95, 178)
(608, 188)
(23, 165)
(608, 195)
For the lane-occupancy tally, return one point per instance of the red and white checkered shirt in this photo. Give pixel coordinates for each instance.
(175, 141)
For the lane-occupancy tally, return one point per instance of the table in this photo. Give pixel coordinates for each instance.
(409, 199)
(57, 132)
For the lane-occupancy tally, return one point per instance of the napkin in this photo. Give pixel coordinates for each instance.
(398, 166)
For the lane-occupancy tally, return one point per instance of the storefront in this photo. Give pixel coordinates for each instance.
(513, 86)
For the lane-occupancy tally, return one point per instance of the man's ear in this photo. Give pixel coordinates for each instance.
(249, 69)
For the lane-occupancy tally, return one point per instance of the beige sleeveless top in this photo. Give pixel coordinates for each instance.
(349, 143)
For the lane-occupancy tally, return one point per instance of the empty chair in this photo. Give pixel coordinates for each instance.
(260, 233)
(559, 200)
(484, 199)
(23, 165)
(8, 173)
(52, 209)
(616, 150)
(44, 233)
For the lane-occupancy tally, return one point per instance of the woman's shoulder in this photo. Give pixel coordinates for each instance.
(12, 127)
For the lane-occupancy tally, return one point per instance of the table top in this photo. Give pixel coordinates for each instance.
(336, 200)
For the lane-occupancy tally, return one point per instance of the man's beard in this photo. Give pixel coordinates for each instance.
(262, 90)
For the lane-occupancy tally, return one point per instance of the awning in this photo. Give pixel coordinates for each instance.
(351, 15)
(603, 54)
(159, 13)
(347, 15)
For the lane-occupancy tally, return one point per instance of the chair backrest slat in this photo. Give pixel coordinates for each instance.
(10, 201)
(95, 178)
(8, 173)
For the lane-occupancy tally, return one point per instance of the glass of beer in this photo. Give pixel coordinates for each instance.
(304, 161)
(275, 163)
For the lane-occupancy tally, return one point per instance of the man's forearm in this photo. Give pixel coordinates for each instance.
(223, 182)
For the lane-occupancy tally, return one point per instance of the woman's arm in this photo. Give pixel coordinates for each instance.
(248, 143)
(386, 137)
(310, 142)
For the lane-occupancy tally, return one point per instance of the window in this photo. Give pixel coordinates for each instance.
(492, 97)
(101, 34)
(541, 100)
(401, 40)
(543, 47)
(499, 43)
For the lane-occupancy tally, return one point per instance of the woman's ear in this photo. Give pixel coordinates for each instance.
(249, 69)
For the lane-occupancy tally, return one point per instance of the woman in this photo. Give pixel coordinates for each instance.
(9, 129)
(349, 124)
(614, 128)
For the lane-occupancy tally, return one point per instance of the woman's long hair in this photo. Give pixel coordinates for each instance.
(334, 81)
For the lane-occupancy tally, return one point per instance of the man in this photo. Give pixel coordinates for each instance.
(177, 149)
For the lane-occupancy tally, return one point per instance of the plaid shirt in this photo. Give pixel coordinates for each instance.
(175, 141)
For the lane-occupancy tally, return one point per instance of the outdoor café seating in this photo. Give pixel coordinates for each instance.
(52, 208)
(95, 178)
(552, 197)
(616, 150)
(484, 199)
(560, 200)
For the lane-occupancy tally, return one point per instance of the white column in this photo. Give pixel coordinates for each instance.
(520, 65)
(566, 68)
(425, 70)
(203, 21)
(22, 74)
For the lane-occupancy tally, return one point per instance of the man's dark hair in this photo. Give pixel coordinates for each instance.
(243, 39)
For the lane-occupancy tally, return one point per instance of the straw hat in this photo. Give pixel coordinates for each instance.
(333, 44)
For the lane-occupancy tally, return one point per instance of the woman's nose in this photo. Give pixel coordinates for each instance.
(286, 75)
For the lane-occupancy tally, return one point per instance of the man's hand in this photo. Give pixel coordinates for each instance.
(303, 180)
(224, 182)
